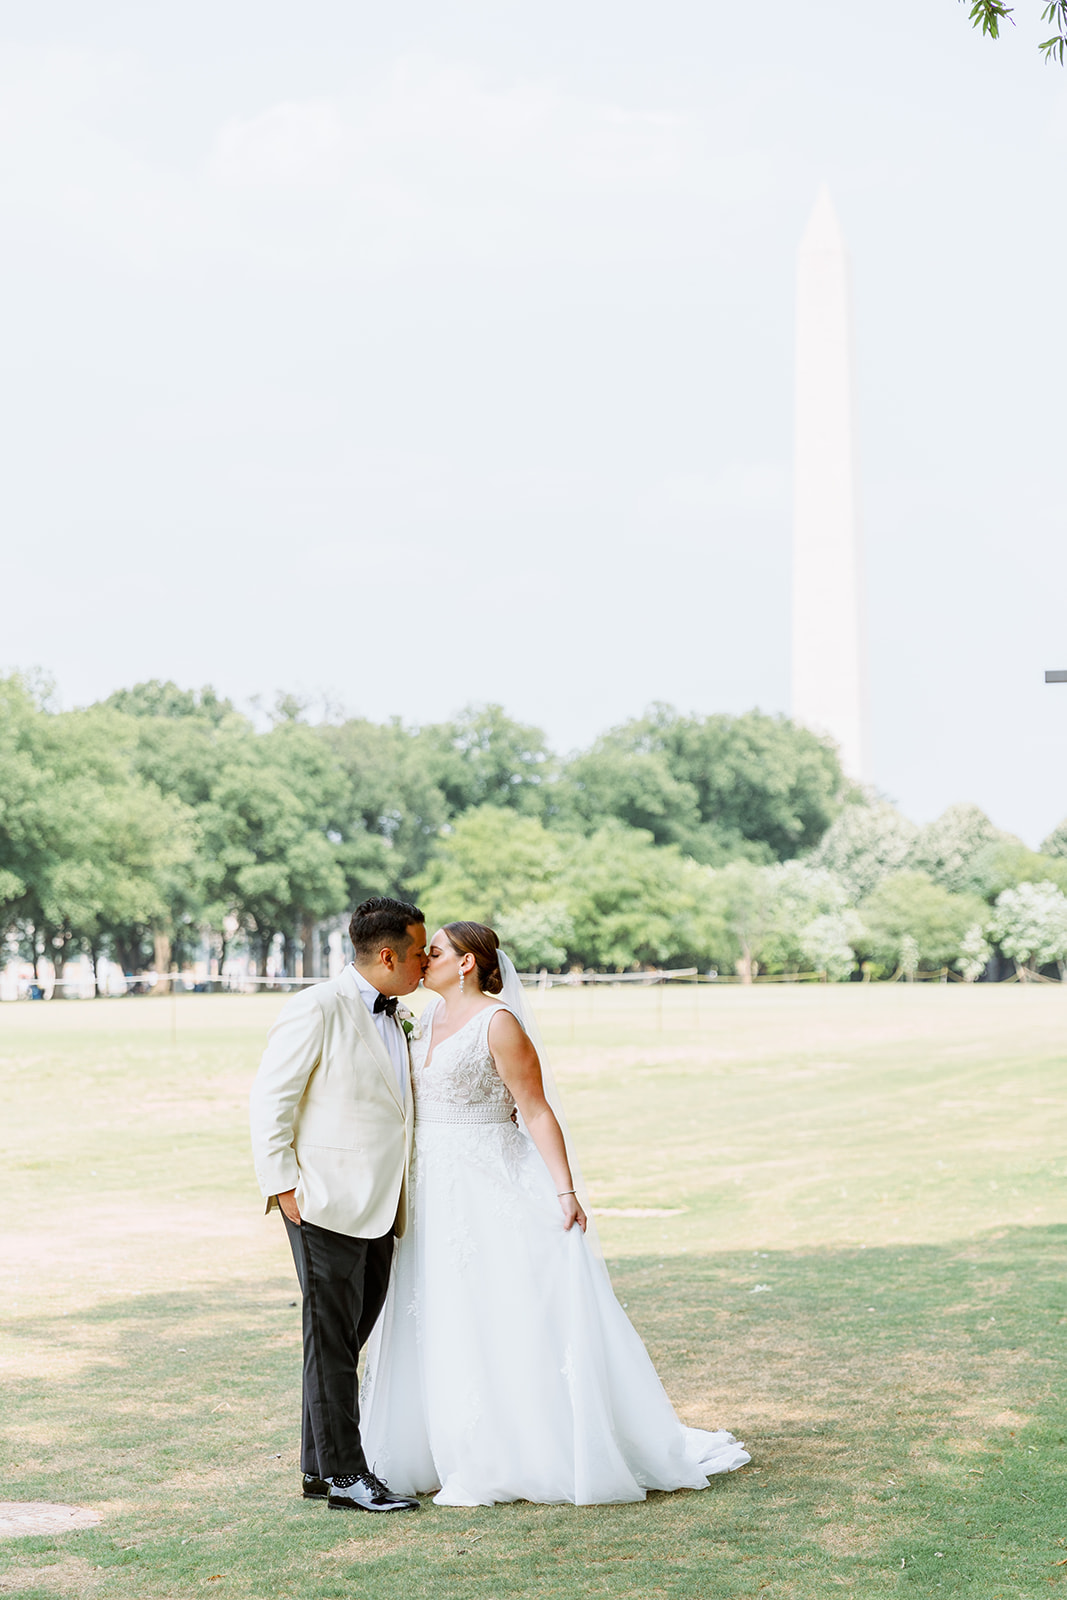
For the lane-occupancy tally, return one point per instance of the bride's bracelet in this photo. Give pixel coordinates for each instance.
(562, 1193)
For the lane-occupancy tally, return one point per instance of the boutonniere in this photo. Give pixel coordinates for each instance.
(409, 1022)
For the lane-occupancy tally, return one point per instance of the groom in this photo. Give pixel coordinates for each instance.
(331, 1136)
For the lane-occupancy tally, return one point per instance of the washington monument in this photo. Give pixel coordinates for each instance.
(829, 656)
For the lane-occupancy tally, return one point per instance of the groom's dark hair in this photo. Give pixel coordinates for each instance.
(380, 922)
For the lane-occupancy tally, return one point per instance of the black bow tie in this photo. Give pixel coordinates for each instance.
(388, 1004)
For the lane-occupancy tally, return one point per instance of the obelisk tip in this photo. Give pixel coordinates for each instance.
(823, 231)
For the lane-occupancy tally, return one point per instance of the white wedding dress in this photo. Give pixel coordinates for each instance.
(503, 1367)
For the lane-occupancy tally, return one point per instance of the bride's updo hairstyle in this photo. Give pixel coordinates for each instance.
(475, 939)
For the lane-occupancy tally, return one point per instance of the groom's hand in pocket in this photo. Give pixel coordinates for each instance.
(287, 1201)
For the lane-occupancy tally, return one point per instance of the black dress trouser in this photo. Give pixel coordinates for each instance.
(343, 1282)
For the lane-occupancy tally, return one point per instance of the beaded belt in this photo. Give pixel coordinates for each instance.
(446, 1111)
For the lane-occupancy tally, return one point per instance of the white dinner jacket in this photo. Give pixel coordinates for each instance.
(328, 1116)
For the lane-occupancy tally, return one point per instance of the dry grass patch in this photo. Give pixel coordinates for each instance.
(68, 1575)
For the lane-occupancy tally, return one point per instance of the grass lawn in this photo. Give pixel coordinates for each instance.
(864, 1279)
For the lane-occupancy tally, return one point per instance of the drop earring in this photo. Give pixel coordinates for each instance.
(461, 980)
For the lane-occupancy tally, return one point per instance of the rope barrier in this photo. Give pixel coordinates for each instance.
(145, 984)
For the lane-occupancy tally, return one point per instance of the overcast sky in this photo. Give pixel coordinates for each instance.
(407, 356)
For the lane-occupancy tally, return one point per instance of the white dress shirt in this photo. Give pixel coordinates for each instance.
(390, 1032)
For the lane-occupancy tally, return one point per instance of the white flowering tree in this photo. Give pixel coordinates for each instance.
(830, 942)
(864, 844)
(811, 926)
(975, 951)
(946, 848)
(790, 917)
(1056, 843)
(909, 955)
(1029, 923)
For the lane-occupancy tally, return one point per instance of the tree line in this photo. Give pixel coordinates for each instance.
(160, 818)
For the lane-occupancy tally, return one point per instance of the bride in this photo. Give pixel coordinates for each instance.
(503, 1367)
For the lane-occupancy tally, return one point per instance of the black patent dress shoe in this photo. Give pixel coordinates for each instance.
(315, 1488)
(365, 1492)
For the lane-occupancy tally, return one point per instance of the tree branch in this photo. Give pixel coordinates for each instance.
(1056, 13)
(989, 14)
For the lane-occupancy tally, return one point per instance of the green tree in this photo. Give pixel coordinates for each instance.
(165, 700)
(491, 863)
(718, 786)
(612, 899)
(536, 934)
(742, 896)
(789, 917)
(180, 740)
(632, 902)
(275, 860)
(989, 14)
(631, 786)
(1008, 863)
(21, 780)
(482, 757)
(393, 810)
(176, 738)
(87, 843)
(912, 921)
(360, 788)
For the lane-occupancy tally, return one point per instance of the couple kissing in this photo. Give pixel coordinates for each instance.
(424, 1175)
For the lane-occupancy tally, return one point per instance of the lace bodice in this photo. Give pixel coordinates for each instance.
(461, 1083)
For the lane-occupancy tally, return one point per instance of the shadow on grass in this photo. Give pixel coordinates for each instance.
(904, 1407)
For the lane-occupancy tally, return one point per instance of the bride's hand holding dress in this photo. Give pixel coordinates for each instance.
(517, 1065)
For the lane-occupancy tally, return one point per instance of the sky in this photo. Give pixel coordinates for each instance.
(407, 357)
